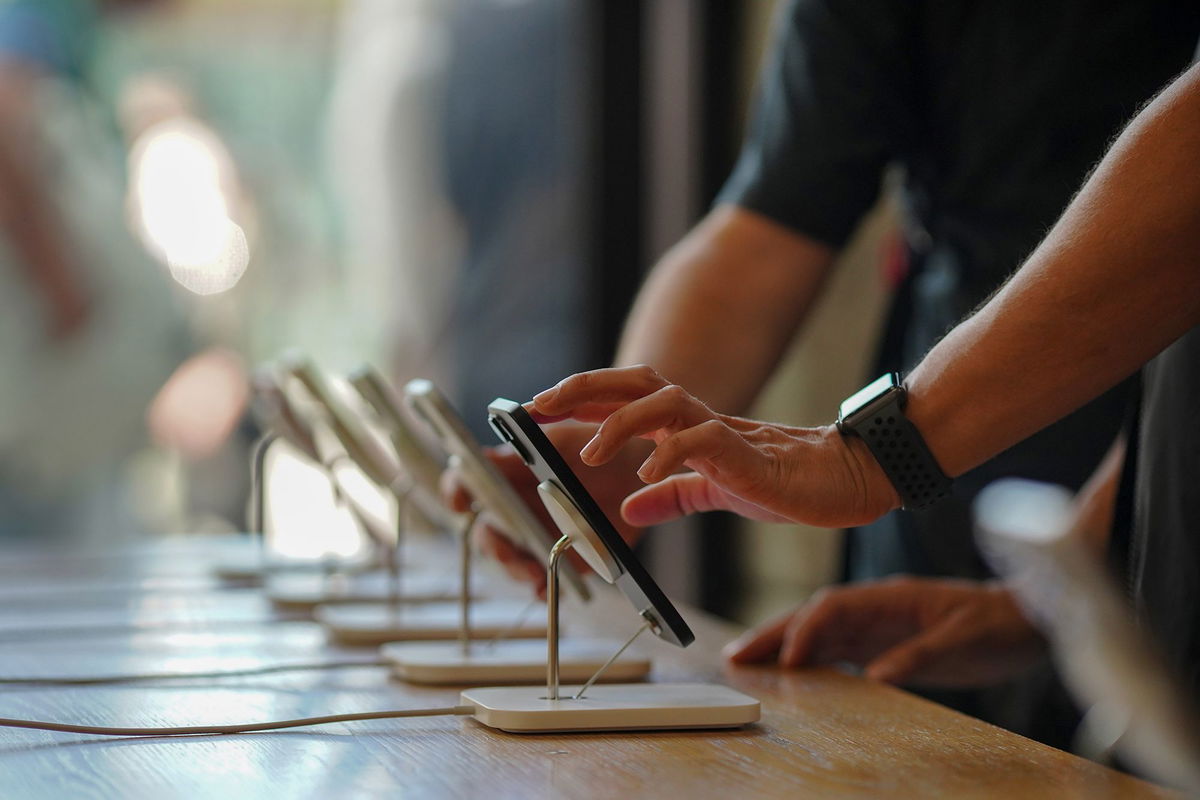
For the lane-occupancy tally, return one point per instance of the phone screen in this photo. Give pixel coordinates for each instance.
(513, 424)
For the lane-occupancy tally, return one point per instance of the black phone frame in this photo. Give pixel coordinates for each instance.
(513, 424)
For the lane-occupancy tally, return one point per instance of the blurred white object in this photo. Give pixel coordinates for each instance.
(1027, 531)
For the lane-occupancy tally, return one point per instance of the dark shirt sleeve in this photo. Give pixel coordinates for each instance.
(835, 102)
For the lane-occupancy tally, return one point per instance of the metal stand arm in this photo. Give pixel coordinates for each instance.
(556, 553)
(464, 577)
(258, 494)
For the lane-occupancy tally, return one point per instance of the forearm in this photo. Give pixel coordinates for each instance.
(27, 217)
(30, 226)
(1115, 281)
(720, 308)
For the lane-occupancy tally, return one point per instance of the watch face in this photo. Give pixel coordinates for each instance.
(869, 393)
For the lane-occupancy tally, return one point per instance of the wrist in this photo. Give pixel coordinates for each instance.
(873, 486)
(935, 424)
(949, 402)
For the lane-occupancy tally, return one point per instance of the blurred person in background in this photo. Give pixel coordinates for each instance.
(403, 239)
(89, 326)
(514, 150)
(458, 156)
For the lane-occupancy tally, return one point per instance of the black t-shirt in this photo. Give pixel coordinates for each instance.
(995, 112)
(1165, 550)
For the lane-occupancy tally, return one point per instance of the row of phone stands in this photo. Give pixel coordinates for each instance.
(436, 618)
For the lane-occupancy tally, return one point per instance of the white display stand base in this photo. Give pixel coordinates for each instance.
(303, 592)
(250, 568)
(612, 707)
(509, 661)
(238, 572)
(363, 624)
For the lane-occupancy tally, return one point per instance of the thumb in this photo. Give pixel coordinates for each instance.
(687, 493)
(899, 663)
(671, 498)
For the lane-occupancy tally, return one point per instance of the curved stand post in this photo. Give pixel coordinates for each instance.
(258, 493)
(464, 578)
(556, 553)
(394, 554)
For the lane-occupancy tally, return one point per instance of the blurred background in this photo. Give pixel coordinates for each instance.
(465, 190)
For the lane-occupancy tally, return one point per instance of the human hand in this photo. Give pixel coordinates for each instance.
(608, 486)
(764, 471)
(916, 631)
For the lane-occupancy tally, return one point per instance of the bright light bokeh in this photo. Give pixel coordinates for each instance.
(180, 178)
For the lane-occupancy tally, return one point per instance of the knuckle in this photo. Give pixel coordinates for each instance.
(614, 424)
(674, 394)
(668, 447)
(825, 596)
(646, 372)
(795, 624)
(900, 581)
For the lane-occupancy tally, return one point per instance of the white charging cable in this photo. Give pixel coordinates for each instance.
(179, 676)
(198, 730)
(8, 635)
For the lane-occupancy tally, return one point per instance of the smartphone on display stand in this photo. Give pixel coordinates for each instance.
(513, 424)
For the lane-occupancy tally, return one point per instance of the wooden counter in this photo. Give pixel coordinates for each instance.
(154, 608)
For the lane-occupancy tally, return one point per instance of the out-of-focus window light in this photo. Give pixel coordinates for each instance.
(304, 519)
(369, 498)
(180, 175)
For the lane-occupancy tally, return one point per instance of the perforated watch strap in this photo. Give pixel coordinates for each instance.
(899, 448)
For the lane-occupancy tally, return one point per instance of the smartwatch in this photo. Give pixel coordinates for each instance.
(875, 414)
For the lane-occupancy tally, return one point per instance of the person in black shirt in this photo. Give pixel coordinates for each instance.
(994, 116)
(981, 108)
(1114, 286)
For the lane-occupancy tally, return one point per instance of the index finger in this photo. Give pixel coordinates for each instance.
(817, 620)
(587, 412)
(758, 644)
(611, 385)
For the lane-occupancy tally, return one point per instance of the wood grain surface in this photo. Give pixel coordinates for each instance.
(155, 608)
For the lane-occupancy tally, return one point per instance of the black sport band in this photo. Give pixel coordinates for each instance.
(876, 415)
